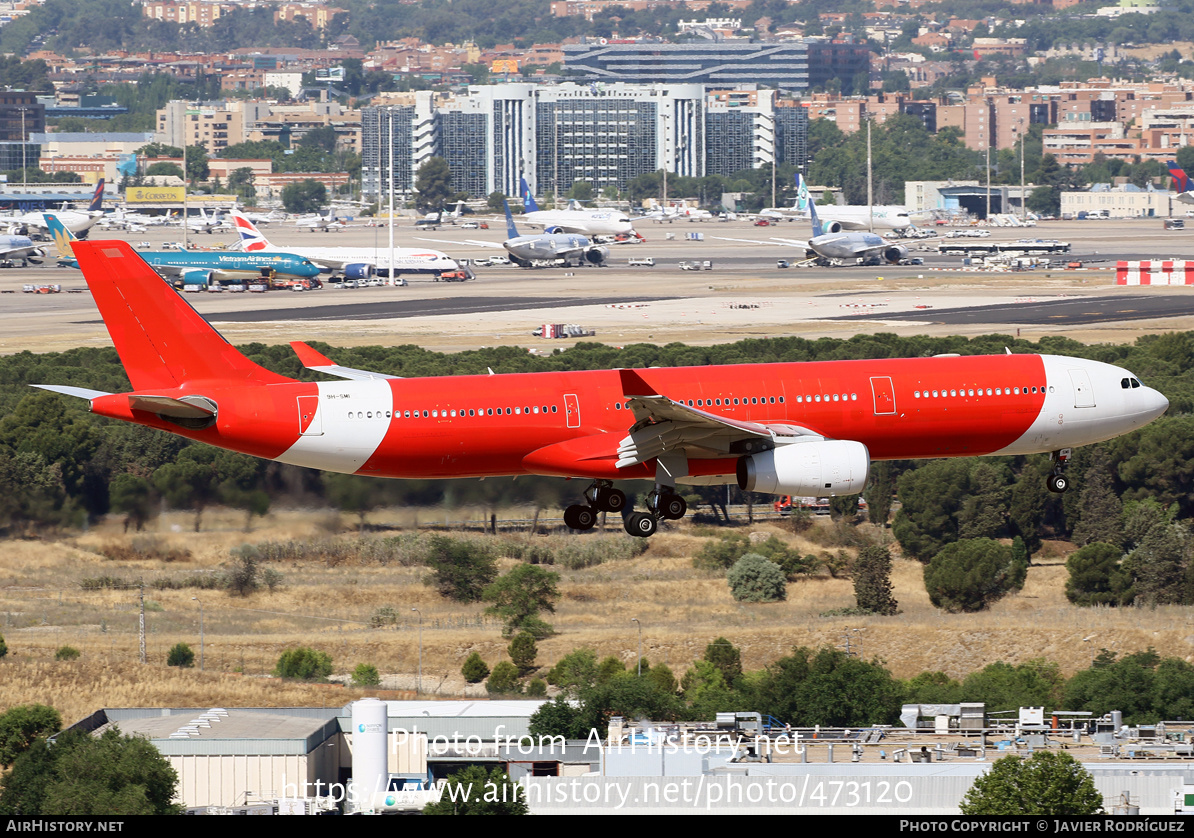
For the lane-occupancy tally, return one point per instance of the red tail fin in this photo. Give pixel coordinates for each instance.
(162, 341)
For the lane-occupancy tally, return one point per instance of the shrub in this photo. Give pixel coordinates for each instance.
(537, 688)
(66, 653)
(504, 679)
(181, 655)
(971, 574)
(522, 651)
(755, 579)
(3, 647)
(475, 670)
(304, 663)
(365, 675)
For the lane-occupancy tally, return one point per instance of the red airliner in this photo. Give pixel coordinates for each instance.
(806, 429)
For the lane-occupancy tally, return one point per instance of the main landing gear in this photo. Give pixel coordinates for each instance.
(1057, 481)
(601, 497)
(663, 502)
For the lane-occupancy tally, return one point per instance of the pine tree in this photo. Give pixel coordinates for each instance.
(872, 582)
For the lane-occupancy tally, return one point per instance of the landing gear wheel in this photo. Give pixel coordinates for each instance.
(672, 507)
(578, 517)
(1057, 483)
(611, 500)
(641, 525)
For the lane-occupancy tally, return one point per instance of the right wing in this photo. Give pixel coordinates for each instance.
(468, 243)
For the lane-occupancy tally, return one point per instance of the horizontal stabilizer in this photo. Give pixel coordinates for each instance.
(188, 407)
(318, 362)
(77, 392)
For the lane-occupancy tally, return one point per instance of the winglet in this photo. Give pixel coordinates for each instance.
(309, 357)
(318, 362)
(633, 384)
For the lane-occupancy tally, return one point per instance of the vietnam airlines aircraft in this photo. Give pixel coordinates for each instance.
(191, 268)
(809, 428)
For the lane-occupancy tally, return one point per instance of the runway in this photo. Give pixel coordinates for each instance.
(1078, 311)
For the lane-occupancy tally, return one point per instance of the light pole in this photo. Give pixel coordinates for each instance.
(640, 645)
(419, 684)
(196, 599)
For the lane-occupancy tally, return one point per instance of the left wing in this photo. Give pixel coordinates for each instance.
(666, 427)
(466, 243)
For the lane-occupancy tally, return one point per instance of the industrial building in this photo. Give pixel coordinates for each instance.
(388, 756)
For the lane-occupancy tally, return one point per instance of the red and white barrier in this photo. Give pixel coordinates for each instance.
(1155, 272)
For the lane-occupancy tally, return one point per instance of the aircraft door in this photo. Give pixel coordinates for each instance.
(310, 420)
(1083, 392)
(884, 395)
(572, 408)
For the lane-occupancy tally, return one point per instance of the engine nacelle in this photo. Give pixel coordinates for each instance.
(831, 227)
(196, 277)
(597, 255)
(554, 230)
(359, 270)
(895, 254)
(808, 469)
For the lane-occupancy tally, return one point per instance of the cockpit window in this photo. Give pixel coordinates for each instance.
(1125, 383)
(1135, 384)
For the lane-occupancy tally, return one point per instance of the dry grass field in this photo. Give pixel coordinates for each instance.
(328, 605)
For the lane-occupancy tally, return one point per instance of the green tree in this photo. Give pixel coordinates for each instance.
(164, 169)
(503, 680)
(462, 569)
(1001, 686)
(1097, 576)
(475, 669)
(522, 650)
(304, 196)
(476, 790)
(1047, 783)
(726, 657)
(21, 725)
(872, 582)
(828, 687)
(304, 663)
(366, 675)
(433, 183)
(970, 575)
(181, 655)
(520, 595)
(85, 775)
(755, 579)
(130, 494)
(575, 671)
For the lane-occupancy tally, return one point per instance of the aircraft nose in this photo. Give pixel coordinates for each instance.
(1153, 403)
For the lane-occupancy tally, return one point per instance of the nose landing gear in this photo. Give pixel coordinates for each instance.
(1057, 482)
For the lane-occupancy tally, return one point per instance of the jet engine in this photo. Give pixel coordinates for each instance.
(597, 256)
(197, 277)
(809, 469)
(831, 227)
(359, 270)
(36, 256)
(895, 254)
(552, 230)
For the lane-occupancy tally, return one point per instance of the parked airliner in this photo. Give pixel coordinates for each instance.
(808, 428)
